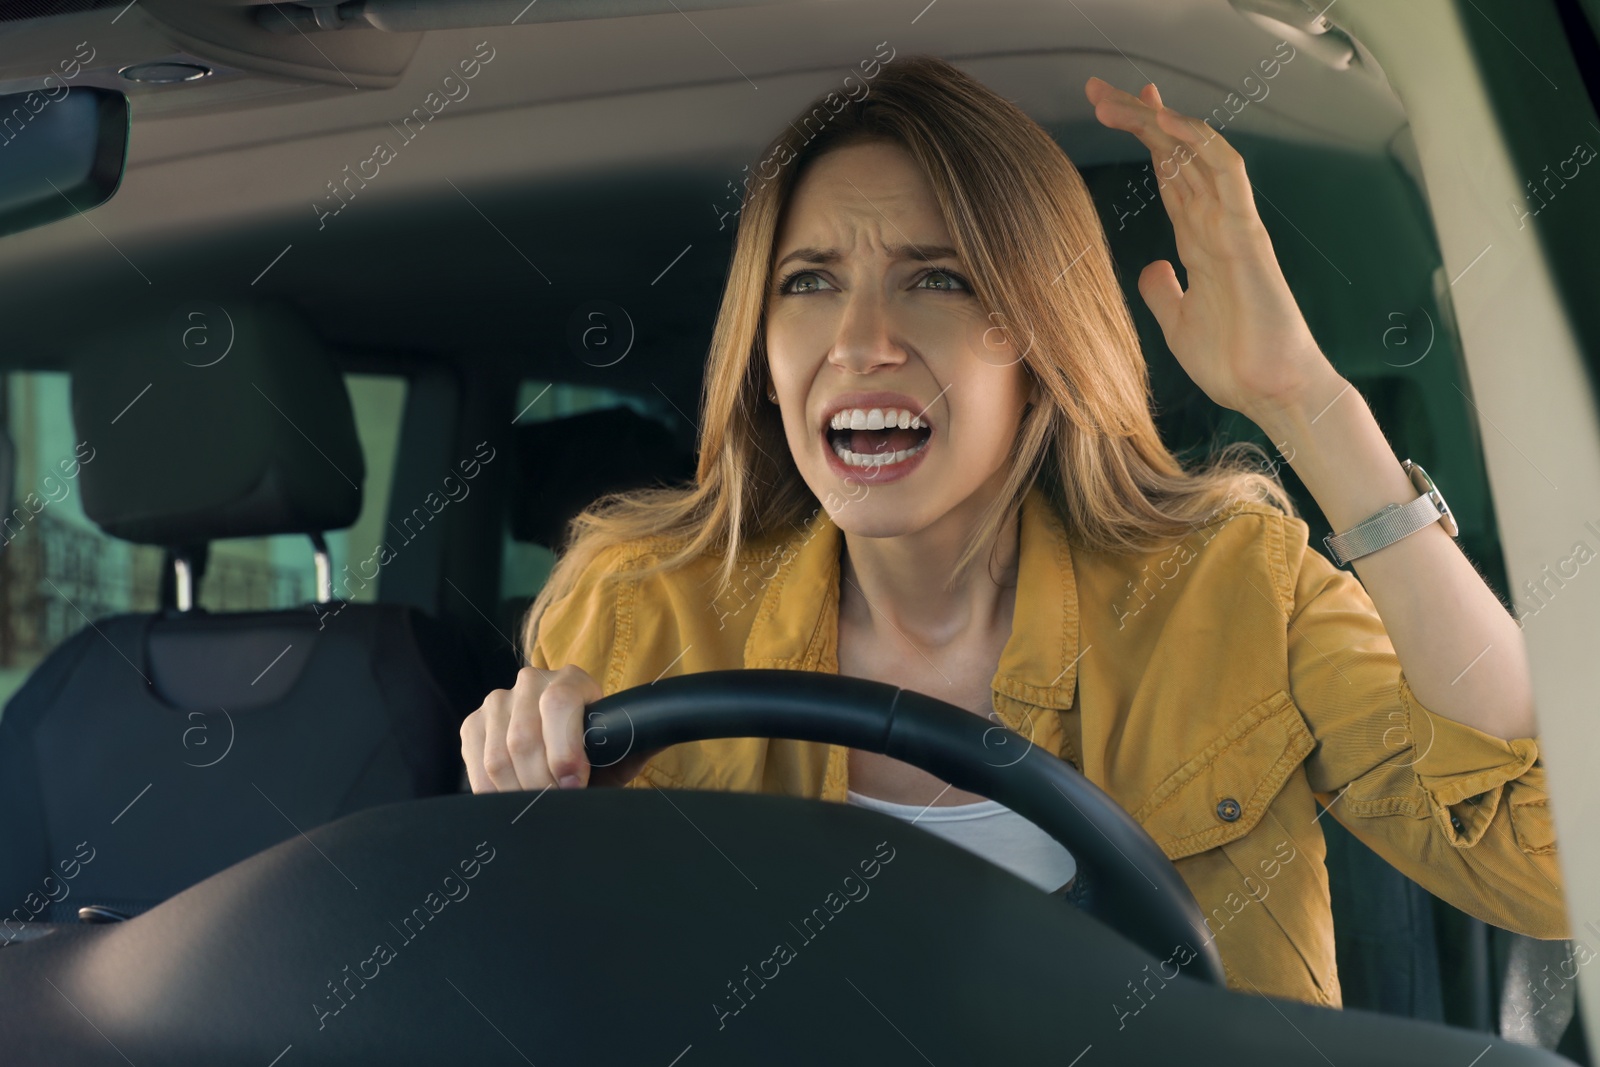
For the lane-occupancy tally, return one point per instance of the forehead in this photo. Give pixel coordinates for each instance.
(873, 192)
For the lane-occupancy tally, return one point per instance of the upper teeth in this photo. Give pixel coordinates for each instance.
(875, 419)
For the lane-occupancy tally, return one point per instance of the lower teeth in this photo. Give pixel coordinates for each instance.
(878, 459)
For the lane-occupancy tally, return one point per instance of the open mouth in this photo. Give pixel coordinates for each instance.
(877, 438)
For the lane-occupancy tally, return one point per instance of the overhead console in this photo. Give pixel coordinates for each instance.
(237, 35)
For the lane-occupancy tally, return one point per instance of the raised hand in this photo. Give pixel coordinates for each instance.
(1236, 330)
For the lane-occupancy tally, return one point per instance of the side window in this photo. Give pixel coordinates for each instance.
(525, 566)
(58, 570)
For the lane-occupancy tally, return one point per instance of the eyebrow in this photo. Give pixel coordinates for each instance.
(920, 253)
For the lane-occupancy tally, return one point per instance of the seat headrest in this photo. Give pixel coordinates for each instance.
(564, 465)
(235, 423)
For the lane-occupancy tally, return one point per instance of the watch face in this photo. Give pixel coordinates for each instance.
(1425, 486)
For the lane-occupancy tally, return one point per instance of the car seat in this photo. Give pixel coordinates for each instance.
(151, 750)
(621, 450)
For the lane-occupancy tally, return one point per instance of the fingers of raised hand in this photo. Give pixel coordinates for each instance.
(1191, 158)
(1122, 110)
(1158, 284)
(1219, 166)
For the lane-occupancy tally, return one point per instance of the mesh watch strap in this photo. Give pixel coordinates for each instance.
(1383, 529)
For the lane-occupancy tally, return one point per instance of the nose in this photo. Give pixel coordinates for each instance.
(868, 338)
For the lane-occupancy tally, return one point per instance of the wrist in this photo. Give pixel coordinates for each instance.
(1338, 451)
(1289, 417)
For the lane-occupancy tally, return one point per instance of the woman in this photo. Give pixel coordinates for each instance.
(927, 458)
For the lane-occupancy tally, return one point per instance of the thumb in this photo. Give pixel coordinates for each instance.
(1158, 284)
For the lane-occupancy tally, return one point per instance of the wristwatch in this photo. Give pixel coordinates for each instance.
(1395, 521)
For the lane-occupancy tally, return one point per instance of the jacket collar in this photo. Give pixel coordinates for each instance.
(797, 624)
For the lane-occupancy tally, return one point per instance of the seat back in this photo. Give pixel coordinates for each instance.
(150, 751)
(621, 450)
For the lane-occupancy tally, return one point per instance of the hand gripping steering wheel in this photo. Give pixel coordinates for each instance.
(1135, 889)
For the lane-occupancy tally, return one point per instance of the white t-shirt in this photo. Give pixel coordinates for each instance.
(989, 829)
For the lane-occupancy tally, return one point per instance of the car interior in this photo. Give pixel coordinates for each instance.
(291, 429)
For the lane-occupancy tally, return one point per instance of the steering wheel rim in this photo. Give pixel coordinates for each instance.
(1136, 889)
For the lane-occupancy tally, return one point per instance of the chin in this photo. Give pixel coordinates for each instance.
(864, 520)
(866, 510)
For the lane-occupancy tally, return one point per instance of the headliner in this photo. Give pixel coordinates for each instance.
(586, 157)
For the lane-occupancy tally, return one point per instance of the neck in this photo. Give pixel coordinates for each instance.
(895, 587)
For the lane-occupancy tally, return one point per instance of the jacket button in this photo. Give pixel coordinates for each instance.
(1228, 809)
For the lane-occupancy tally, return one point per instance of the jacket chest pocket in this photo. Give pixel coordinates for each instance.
(1262, 876)
(1222, 792)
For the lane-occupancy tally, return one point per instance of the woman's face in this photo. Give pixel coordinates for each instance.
(900, 397)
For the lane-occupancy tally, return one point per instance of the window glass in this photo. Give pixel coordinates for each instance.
(58, 570)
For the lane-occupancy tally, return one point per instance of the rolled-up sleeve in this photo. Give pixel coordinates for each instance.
(1464, 814)
(582, 627)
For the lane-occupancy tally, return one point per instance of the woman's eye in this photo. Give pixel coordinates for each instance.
(951, 282)
(809, 281)
(794, 281)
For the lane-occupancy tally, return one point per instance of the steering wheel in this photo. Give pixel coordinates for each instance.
(523, 927)
(1134, 888)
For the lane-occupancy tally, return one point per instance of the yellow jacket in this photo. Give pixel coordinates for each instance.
(1222, 686)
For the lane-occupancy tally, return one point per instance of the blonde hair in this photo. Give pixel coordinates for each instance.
(1039, 262)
